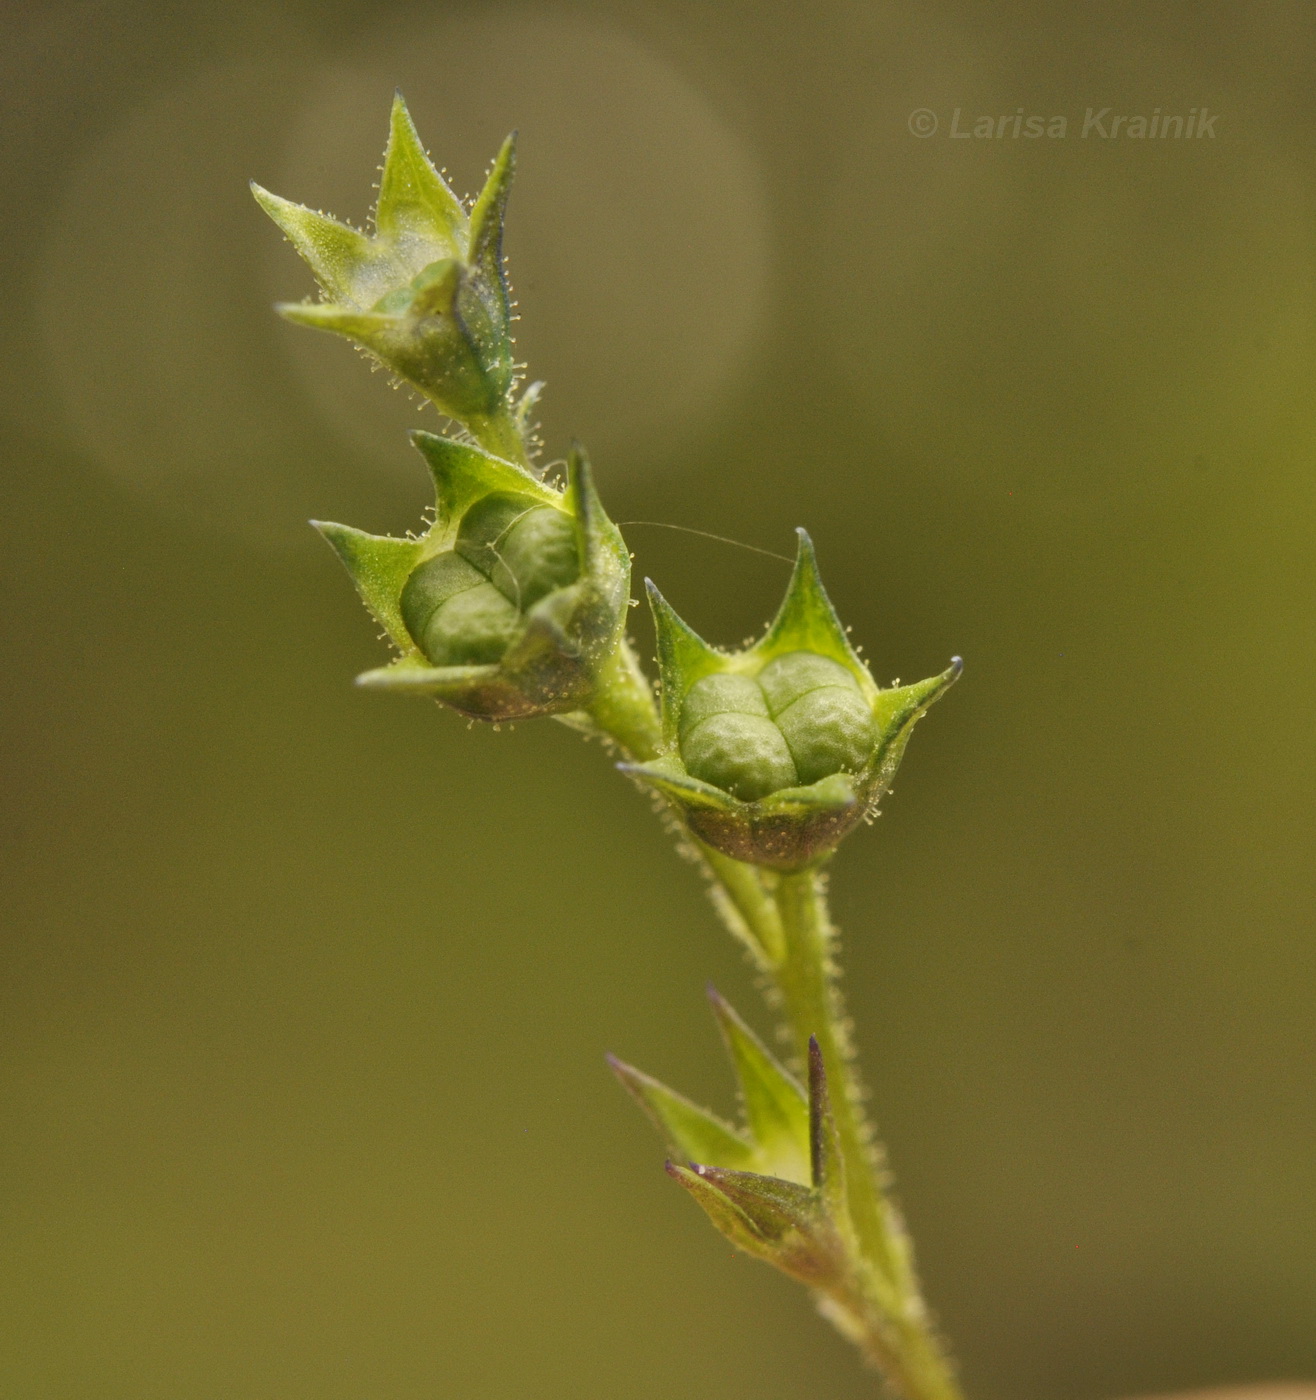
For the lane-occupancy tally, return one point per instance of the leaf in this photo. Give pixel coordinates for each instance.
(690, 1131)
(779, 1221)
(776, 1110)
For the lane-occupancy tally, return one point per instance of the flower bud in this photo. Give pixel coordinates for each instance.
(774, 753)
(506, 607)
(427, 293)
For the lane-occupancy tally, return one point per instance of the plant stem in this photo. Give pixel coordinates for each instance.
(898, 1331)
(500, 434)
(624, 708)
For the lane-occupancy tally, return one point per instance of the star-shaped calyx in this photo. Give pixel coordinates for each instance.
(773, 753)
(508, 604)
(426, 293)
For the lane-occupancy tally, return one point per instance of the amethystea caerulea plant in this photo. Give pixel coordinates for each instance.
(512, 604)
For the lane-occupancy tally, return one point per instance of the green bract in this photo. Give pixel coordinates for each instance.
(508, 604)
(427, 294)
(776, 1186)
(774, 753)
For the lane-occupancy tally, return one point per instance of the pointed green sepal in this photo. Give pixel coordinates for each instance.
(335, 252)
(487, 217)
(776, 1109)
(683, 658)
(379, 566)
(375, 330)
(778, 1221)
(897, 711)
(463, 474)
(690, 1132)
(807, 621)
(413, 197)
(665, 775)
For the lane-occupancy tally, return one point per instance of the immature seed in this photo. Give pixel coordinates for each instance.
(742, 754)
(524, 548)
(455, 615)
(802, 719)
(819, 708)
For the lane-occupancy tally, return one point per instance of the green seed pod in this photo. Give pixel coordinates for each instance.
(538, 554)
(789, 677)
(455, 615)
(512, 600)
(773, 754)
(473, 629)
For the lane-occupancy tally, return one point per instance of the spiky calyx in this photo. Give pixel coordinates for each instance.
(774, 753)
(507, 606)
(427, 292)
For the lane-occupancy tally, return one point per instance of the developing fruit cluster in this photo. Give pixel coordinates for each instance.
(512, 604)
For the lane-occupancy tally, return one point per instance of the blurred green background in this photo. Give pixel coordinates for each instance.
(306, 992)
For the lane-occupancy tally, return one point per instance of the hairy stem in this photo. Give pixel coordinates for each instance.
(624, 708)
(896, 1327)
(501, 435)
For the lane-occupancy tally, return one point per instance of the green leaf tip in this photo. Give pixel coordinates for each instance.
(772, 754)
(776, 1109)
(798, 1222)
(774, 1138)
(690, 1131)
